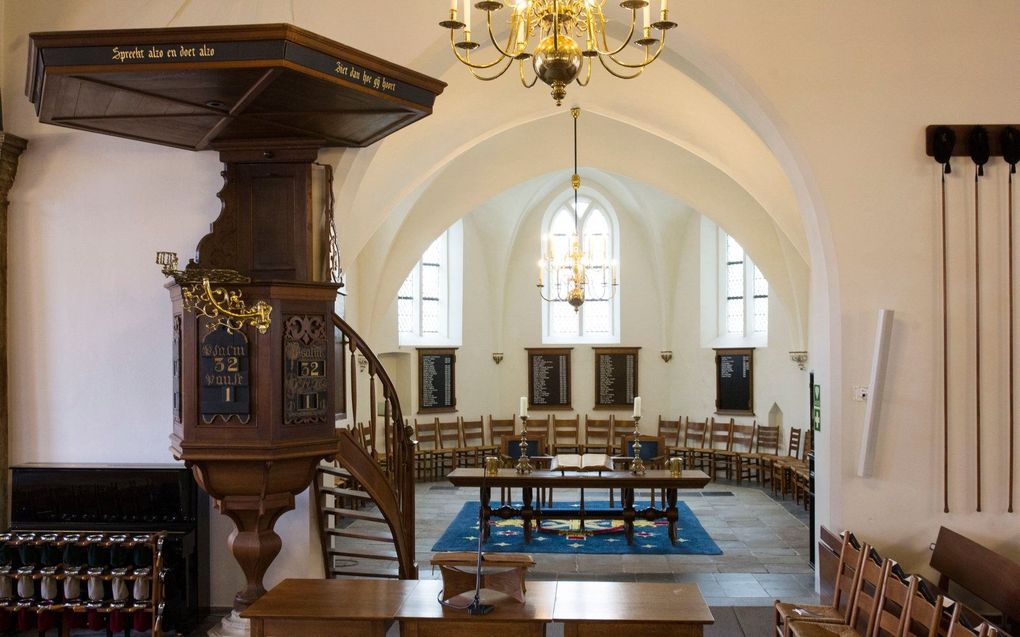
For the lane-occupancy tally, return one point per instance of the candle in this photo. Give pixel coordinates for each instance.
(665, 6)
(524, 407)
(467, 18)
(541, 269)
(453, 5)
(637, 406)
(648, 14)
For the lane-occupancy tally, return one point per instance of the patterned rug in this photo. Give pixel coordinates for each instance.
(564, 536)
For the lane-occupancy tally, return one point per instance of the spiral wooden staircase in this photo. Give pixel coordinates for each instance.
(365, 498)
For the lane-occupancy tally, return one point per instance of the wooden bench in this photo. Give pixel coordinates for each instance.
(988, 575)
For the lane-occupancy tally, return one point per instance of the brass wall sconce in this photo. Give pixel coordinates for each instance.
(666, 355)
(225, 307)
(799, 357)
(497, 357)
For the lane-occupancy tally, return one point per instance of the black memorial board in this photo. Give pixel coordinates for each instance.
(734, 381)
(224, 383)
(437, 380)
(549, 378)
(305, 379)
(616, 377)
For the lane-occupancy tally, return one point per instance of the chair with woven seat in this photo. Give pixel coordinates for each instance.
(540, 427)
(621, 427)
(864, 604)
(670, 432)
(653, 453)
(851, 554)
(428, 455)
(566, 435)
(717, 446)
(799, 472)
(499, 429)
(781, 464)
(693, 442)
(473, 433)
(450, 441)
(741, 440)
(923, 612)
(597, 435)
(765, 450)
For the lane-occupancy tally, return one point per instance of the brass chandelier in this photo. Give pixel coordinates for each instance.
(578, 274)
(558, 27)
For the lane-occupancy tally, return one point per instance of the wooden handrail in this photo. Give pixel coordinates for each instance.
(397, 463)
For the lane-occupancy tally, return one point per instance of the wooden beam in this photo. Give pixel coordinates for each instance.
(11, 148)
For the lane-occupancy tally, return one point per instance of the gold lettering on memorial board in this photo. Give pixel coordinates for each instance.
(162, 52)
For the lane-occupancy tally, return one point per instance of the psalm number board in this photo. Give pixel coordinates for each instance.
(437, 380)
(549, 378)
(734, 381)
(616, 377)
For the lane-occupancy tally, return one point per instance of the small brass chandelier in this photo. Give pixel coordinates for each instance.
(558, 27)
(569, 273)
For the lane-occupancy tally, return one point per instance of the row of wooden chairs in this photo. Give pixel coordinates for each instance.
(874, 597)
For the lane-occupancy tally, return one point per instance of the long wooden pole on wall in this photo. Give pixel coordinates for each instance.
(945, 355)
(977, 326)
(11, 148)
(1011, 352)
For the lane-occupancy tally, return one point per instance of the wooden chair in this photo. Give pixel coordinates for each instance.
(892, 611)
(780, 464)
(428, 455)
(960, 626)
(741, 440)
(621, 427)
(566, 435)
(765, 451)
(511, 453)
(718, 446)
(799, 471)
(851, 555)
(501, 429)
(864, 604)
(654, 452)
(450, 440)
(923, 613)
(670, 432)
(473, 432)
(539, 427)
(597, 436)
(693, 442)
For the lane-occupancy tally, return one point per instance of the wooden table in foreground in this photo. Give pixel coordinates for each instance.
(607, 609)
(421, 615)
(329, 608)
(624, 480)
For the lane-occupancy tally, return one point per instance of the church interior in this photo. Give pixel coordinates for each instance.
(541, 317)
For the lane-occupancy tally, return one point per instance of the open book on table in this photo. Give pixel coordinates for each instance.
(582, 462)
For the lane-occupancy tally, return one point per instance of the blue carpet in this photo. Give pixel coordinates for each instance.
(607, 536)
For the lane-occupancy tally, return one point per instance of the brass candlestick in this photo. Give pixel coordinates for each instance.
(637, 467)
(524, 463)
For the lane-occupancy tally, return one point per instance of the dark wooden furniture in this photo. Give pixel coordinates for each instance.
(460, 575)
(267, 98)
(422, 616)
(626, 481)
(329, 608)
(989, 575)
(126, 500)
(602, 609)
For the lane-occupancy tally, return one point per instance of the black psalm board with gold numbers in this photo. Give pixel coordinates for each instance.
(734, 381)
(549, 378)
(616, 377)
(224, 383)
(437, 380)
(306, 384)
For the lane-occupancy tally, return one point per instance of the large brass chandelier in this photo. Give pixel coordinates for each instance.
(558, 27)
(581, 272)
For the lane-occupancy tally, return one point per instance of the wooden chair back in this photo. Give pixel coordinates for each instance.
(720, 435)
(597, 433)
(923, 613)
(621, 427)
(512, 446)
(449, 435)
(809, 443)
(566, 432)
(653, 448)
(539, 426)
(427, 435)
(793, 446)
(851, 555)
(897, 591)
(990, 576)
(868, 593)
(695, 434)
(473, 432)
(670, 431)
(960, 626)
(742, 437)
(767, 441)
(501, 429)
